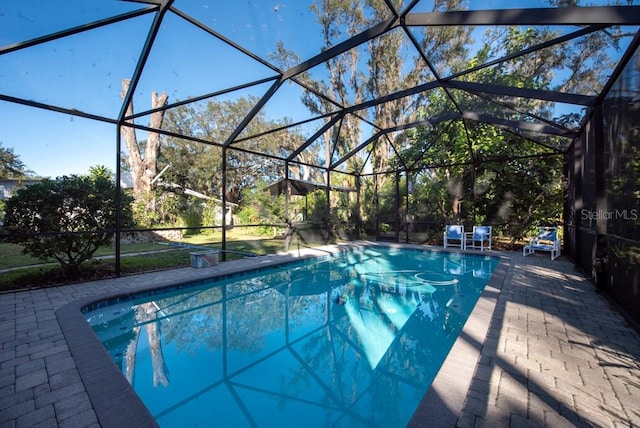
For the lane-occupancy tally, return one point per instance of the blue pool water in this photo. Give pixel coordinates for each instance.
(346, 341)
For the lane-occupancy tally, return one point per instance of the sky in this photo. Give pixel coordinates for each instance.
(52, 144)
(85, 71)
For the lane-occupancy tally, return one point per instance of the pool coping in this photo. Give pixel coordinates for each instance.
(443, 402)
(116, 403)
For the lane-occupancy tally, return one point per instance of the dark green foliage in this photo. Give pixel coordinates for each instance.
(10, 164)
(66, 219)
(498, 178)
(260, 207)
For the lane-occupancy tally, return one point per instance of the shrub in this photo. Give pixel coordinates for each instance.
(66, 219)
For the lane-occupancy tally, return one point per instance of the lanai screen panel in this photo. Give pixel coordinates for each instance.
(306, 61)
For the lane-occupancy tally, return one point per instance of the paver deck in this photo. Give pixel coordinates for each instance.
(541, 349)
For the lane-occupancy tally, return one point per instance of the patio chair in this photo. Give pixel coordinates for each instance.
(454, 236)
(480, 238)
(547, 240)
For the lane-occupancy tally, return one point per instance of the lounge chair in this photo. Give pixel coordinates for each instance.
(454, 236)
(547, 240)
(480, 238)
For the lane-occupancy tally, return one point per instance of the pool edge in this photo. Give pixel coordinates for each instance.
(114, 400)
(443, 402)
(116, 404)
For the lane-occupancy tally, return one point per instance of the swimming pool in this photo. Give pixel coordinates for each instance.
(348, 340)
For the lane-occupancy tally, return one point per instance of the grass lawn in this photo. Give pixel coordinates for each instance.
(20, 271)
(11, 254)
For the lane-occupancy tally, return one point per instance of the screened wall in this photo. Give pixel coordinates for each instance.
(602, 201)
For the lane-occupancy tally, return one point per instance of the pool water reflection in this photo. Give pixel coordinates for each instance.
(351, 340)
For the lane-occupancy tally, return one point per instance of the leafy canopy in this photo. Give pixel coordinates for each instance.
(66, 219)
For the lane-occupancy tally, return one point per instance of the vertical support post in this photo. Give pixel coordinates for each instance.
(287, 191)
(118, 242)
(577, 172)
(328, 213)
(397, 207)
(223, 198)
(377, 201)
(358, 207)
(473, 189)
(600, 261)
(568, 218)
(407, 215)
(288, 231)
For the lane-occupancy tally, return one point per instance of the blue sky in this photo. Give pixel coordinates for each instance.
(85, 71)
(52, 144)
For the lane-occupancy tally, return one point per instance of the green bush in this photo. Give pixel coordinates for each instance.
(66, 219)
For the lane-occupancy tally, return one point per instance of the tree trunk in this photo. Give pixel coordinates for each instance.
(143, 167)
(130, 356)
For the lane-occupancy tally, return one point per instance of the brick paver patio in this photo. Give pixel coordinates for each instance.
(541, 349)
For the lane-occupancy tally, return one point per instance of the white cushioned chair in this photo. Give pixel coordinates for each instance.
(454, 236)
(479, 238)
(547, 240)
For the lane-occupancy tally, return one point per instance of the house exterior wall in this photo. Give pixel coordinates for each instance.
(9, 186)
